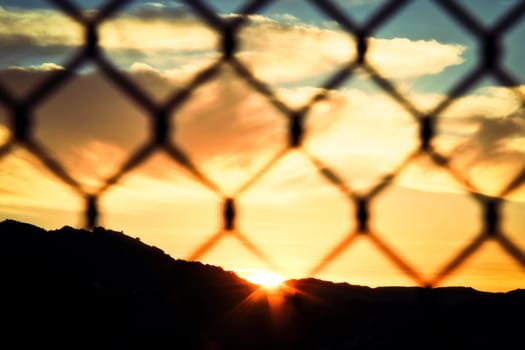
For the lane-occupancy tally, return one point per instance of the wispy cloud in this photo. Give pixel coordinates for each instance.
(276, 49)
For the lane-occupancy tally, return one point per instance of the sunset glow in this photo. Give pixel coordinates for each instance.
(265, 279)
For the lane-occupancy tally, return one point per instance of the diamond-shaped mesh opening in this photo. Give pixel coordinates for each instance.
(173, 198)
(76, 124)
(425, 224)
(160, 47)
(231, 131)
(286, 209)
(361, 133)
(277, 50)
(422, 61)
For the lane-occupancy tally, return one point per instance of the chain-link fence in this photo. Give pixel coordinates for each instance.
(489, 38)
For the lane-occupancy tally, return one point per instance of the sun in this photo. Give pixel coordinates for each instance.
(265, 279)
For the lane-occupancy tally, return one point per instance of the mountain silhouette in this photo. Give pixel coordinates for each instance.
(103, 289)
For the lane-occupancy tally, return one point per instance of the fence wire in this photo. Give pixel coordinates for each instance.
(489, 39)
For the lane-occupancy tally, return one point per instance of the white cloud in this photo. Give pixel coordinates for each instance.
(404, 58)
(292, 51)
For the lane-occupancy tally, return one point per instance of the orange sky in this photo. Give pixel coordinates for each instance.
(292, 214)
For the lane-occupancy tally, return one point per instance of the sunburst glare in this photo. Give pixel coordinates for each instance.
(264, 278)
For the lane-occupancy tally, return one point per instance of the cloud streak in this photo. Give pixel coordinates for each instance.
(277, 50)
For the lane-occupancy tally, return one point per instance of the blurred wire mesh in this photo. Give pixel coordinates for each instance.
(160, 135)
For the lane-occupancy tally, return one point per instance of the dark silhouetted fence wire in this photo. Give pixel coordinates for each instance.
(489, 40)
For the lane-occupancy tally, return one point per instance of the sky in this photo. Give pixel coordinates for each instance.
(291, 214)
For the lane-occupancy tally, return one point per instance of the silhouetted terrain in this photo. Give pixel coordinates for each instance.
(102, 289)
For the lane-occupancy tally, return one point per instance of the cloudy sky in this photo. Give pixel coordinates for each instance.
(292, 214)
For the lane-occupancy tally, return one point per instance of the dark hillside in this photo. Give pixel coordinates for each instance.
(102, 289)
(73, 285)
